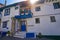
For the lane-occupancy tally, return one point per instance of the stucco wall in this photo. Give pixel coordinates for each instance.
(46, 8)
(46, 27)
(13, 13)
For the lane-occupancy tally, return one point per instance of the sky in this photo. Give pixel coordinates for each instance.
(10, 1)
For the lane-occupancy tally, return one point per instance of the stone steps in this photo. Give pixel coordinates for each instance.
(20, 34)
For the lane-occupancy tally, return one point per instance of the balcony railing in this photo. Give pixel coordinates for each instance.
(24, 14)
(24, 11)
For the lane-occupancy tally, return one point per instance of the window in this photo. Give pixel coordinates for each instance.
(21, 11)
(5, 24)
(26, 10)
(7, 12)
(16, 7)
(52, 18)
(56, 5)
(37, 8)
(37, 20)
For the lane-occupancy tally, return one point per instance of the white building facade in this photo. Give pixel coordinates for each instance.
(26, 21)
(46, 20)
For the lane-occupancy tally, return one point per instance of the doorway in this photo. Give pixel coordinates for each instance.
(23, 25)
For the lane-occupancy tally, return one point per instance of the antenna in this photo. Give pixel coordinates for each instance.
(5, 2)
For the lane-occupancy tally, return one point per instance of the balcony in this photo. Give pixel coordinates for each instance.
(24, 14)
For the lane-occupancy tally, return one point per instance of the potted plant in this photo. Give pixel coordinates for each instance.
(39, 35)
(8, 33)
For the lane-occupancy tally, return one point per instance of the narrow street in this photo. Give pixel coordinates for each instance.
(12, 38)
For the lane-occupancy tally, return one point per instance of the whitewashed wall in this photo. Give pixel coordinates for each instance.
(46, 27)
(46, 8)
(13, 13)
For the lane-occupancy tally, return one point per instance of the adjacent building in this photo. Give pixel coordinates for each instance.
(1, 5)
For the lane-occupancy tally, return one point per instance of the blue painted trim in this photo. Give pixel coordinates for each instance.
(3, 34)
(30, 35)
(26, 16)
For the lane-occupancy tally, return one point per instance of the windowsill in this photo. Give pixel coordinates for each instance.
(6, 14)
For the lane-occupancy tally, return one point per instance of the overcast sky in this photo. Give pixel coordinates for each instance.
(10, 1)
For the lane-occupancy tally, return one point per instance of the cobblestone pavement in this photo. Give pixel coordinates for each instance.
(13, 38)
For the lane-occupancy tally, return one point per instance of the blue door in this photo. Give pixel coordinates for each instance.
(23, 25)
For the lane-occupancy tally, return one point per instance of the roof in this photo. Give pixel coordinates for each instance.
(23, 3)
(40, 1)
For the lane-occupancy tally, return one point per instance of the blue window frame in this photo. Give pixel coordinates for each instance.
(7, 12)
(37, 8)
(5, 24)
(56, 5)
